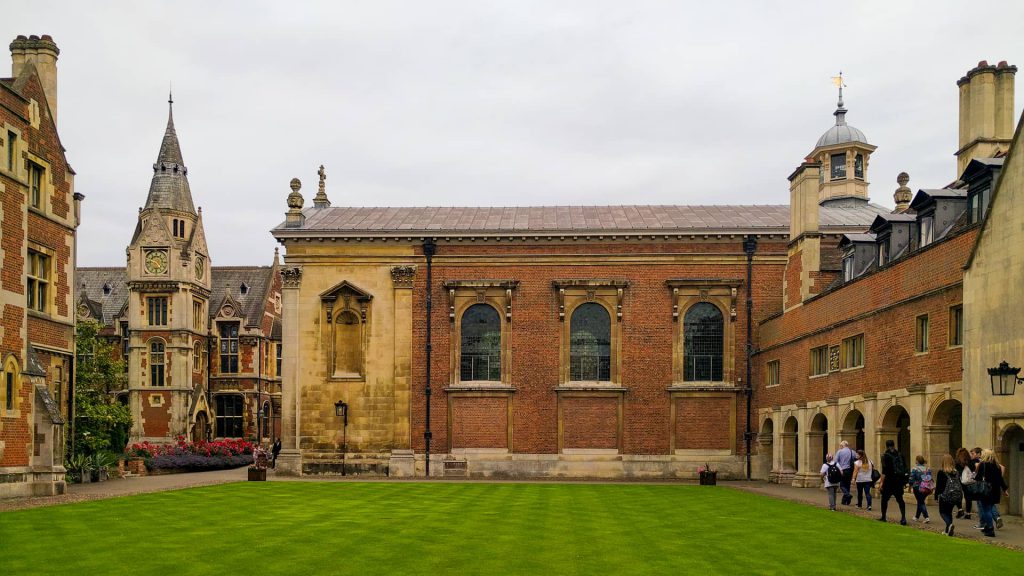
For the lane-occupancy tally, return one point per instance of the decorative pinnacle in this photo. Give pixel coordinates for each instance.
(295, 200)
(320, 200)
(903, 194)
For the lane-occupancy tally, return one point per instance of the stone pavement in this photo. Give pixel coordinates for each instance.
(1012, 534)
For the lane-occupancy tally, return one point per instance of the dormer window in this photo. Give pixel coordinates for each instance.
(106, 289)
(858, 166)
(883, 252)
(979, 204)
(848, 267)
(927, 230)
(839, 166)
(243, 289)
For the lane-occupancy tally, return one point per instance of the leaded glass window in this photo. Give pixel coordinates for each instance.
(703, 344)
(590, 343)
(229, 416)
(480, 344)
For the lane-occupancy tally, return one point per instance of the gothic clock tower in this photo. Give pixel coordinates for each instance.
(168, 303)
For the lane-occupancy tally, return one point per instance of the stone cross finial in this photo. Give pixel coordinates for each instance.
(320, 200)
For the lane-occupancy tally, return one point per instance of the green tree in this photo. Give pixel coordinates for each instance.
(101, 422)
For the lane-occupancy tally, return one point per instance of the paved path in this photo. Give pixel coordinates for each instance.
(1012, 535)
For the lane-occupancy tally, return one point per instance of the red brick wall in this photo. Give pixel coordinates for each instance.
(883, 306)
(480, 423)
(590, 422)
(647, 332)
(156, 419)
(702, 423)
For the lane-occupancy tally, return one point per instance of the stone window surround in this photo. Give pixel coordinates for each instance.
(722, 293)
(50, 279)
(465, 293)
(10, 366)
(574, 293)
(339, 299)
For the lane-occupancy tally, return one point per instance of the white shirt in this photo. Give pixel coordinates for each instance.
(824, 474)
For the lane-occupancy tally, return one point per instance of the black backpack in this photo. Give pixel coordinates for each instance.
(954, 492)
(834, 474)
(899, 468)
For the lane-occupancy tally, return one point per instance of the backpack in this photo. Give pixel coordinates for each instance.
(925, 484)
(954, 492)
(834, 474)
(899, 468)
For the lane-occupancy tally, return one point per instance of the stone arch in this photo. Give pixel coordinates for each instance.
(895, 425)
(790, 445)
(765, 448)
(853, 424)
(817, 438)
(944, 428)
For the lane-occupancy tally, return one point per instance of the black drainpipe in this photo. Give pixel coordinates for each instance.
(749, 246)
(429, 248)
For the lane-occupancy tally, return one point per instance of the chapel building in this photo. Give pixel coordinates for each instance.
(557, 341)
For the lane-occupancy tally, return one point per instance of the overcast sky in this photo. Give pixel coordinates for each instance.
(495, 103)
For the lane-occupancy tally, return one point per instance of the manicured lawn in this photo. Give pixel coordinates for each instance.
(441, 528)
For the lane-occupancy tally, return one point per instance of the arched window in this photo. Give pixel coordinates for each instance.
(858, 166)
(702, 343)
(11, 383)
(156, 363)
(347, 344)
(197, 357)
(481, 344)
(590, 343)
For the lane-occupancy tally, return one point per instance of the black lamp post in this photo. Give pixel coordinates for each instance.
(341, 410)
(1004, 379)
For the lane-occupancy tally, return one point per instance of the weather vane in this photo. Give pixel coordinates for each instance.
(838, 81)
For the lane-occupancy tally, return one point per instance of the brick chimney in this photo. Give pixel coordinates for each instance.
(986, 112)
(43, 52)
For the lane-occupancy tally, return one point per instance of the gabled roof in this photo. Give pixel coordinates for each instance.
(926, 196)
(91, 283)
(569, 220)
(883, 220)
(227, 281)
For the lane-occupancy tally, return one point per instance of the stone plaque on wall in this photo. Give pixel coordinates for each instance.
(833, 359)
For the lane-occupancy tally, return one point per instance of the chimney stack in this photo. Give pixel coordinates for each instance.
(986, 112)
(43, 52)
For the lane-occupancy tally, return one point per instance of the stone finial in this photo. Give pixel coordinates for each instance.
(903, 194)
(294, 217)
(320, 200)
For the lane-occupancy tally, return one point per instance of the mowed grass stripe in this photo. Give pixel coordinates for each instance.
(465, 528)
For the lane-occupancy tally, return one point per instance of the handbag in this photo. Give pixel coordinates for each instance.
(875, 474)
(966, 477)
(978, 489)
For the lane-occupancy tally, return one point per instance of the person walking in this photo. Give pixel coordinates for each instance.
(844, 459)
(862, 473)
(948, 492)
(892, 481)
(275, 450)
(832, 476)
(988, 478)
(964, 461)
(922, 484)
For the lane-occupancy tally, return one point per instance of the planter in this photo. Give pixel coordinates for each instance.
(257, 474)
(708, 478)
(137, 466)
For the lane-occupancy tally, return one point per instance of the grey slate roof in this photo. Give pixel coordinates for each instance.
(227, 280)
(92, 281)
(169, 188)
(223, 279)
(656, 219)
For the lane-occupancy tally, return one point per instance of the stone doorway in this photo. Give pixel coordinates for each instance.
(896, 426)
(790, 445)
(945, 431)
(199, 428)
(853, 430)
(1013, 459)
(817, 440)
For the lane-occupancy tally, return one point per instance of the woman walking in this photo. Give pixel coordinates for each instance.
(922, 484)
(948, 492)
(964, 462)
(862, 471)
(832, 476)
(989, 475)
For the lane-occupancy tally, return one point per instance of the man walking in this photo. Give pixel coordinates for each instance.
(844, 459)
(894, 478)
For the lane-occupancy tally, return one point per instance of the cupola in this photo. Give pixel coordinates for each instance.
(843, 152)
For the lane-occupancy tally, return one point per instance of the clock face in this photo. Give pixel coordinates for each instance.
(200, 267)
(156, 261)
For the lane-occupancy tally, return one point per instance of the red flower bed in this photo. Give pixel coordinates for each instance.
(230, 452)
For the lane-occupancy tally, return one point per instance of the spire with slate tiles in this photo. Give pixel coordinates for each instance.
(169, 188)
